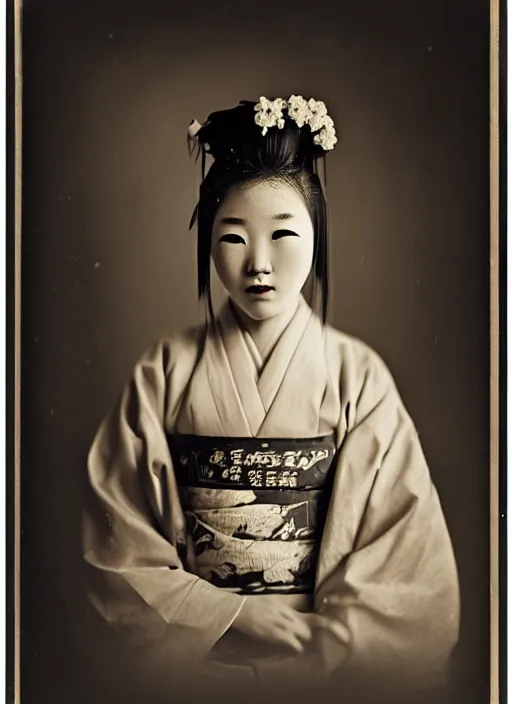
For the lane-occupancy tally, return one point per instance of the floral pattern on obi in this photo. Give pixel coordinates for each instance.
(255, 509)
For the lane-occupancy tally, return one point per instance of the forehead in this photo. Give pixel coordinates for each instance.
(263, 199)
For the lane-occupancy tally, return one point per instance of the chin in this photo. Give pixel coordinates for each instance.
(261, 316)
(263, 311)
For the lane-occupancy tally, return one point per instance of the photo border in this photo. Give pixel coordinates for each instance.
(498, 375)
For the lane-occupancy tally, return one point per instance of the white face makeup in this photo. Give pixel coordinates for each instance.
(262, 247)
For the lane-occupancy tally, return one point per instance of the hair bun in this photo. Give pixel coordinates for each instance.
(235, 138)
(231, 134)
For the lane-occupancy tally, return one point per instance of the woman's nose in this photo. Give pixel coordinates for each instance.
(259, 262)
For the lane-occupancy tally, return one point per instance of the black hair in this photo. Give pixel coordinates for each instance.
(242, 154)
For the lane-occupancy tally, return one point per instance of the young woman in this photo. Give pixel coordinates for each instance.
(259, 497)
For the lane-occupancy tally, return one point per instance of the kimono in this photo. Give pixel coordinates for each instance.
(218, 479)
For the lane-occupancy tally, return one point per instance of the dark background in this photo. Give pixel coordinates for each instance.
(108, 263)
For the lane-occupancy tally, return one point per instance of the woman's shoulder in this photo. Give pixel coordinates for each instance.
(185, 340)
(177, 347)
(358, 360)
(350, 346)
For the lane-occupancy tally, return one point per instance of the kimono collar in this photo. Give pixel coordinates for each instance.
(285, 398)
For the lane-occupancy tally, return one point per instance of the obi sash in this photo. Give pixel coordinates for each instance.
(255, 509)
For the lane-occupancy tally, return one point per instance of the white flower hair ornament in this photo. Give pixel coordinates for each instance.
(269, 113)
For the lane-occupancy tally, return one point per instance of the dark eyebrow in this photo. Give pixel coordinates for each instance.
(233, 221)
(283, 216)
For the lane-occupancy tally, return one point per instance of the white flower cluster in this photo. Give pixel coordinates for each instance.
(269, 113)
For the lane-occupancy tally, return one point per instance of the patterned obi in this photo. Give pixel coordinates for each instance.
(255, 509)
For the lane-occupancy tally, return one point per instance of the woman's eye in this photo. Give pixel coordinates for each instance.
(233, 239)
(283, 233)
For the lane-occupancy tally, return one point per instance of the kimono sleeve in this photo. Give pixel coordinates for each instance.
(133, 524)
(396, 589)
(387, 569)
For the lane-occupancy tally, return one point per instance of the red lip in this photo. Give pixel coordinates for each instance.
(259, 289)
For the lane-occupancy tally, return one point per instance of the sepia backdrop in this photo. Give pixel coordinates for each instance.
(108, 263)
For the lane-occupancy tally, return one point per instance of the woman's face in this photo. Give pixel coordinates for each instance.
(262, 247)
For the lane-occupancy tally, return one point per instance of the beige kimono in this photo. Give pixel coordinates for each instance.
(386, 569)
